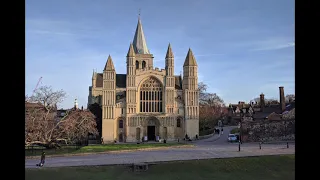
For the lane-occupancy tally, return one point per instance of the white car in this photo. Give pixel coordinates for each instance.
(232, 138)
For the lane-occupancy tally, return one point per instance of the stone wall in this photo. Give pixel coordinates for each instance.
(266, 131)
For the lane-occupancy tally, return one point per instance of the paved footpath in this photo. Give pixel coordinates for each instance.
(199, 152)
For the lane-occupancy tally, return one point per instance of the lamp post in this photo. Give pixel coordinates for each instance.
(240, 132)
(286, 133)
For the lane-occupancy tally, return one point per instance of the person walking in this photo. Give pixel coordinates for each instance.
(221, 130)
(42, 161)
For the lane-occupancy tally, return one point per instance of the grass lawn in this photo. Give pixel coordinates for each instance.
(101, 148)
(262, 168)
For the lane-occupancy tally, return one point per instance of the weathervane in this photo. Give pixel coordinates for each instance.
(139, 12)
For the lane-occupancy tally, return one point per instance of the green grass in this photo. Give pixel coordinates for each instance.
(100, 148)
(235, 130)
(262, 168)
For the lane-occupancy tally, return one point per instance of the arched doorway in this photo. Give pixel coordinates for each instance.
(152, 126)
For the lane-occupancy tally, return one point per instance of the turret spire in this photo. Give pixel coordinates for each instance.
(139, 41)
(109, 65)
(131, 52)
(190, 59)
(169, 52)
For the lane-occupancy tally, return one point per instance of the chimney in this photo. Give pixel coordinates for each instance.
(282, 99)
(262, 103)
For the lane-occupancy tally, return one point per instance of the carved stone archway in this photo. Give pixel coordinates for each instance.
(151, 127)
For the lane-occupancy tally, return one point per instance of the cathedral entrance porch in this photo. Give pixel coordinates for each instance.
(151, 132)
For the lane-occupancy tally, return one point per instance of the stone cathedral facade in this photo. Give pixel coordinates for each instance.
(147, 101)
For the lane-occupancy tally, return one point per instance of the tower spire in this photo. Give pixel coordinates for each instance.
(190, 59)
(139, 41)
(169, 52)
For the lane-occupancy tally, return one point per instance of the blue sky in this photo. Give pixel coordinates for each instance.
(243, 47)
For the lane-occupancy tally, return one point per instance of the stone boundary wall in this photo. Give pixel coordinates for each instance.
(266, 131)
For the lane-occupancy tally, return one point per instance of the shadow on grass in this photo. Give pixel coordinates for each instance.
(262, 168)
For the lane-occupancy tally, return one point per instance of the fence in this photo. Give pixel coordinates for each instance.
(36, 150)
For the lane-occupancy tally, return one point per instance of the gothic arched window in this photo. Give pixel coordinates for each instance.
(137, 64)
(178, 122)
(143, 64)
(151, 95)
(120, 123)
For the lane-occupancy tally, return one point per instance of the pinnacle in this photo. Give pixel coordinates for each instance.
(109, 65)
(190, 59)
(131, 52)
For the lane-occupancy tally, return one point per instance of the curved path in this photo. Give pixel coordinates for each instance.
(213, 147)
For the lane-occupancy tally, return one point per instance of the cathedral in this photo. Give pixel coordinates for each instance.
(147, 102)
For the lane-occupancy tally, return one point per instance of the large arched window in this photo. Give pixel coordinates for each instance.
(143, 64)
(151, 95)
(137, 64)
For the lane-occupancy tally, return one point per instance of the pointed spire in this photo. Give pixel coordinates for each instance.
(109, 65)
(169, 52)
(131, 52)
(139, 41)
(190, 59)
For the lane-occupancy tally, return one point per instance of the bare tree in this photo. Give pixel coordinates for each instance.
(47, 96)
(208, 98)
(209, 116)
(77, 125)
(266, 101)
(211, 107)
(290, 97)
(202, 90)
(43, 126)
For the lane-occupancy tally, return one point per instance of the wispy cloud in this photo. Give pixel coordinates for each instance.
(275, 47)
(51, 32)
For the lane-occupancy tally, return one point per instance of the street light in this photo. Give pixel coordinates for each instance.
(240, 133)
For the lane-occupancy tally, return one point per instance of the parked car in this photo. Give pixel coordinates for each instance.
(237, 136)
(232, 138)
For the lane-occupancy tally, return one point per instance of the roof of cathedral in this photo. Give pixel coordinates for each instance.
(121, 81)
(109, 64)
(190, 59)
(169, 52)
(131, 52)
(178, 82)
(139, 41)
